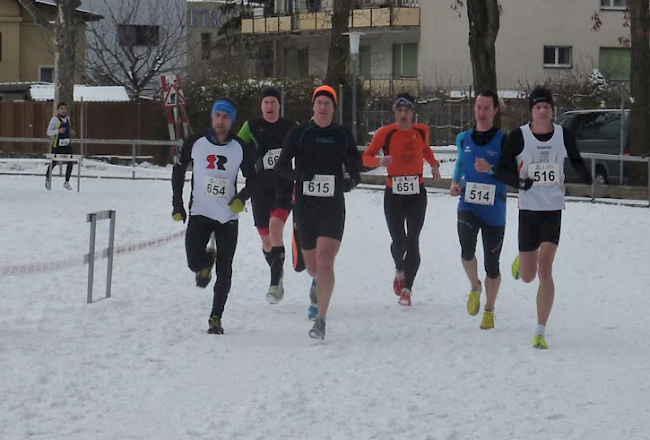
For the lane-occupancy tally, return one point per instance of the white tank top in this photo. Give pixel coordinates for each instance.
(544, 163)
(215, 171)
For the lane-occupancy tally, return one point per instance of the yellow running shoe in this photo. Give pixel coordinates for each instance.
(540, 343)
(488, 320)
(515, 268)
(474, 301)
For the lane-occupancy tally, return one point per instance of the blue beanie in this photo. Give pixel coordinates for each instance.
(226, 106)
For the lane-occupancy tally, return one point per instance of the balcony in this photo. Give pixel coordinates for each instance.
(388, 85)
(405, 14)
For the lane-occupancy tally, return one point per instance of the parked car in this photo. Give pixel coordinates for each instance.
(599, 131)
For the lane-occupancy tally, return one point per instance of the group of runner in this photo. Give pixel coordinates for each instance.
(309, 167)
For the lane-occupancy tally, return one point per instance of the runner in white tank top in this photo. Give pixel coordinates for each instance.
(533, 160)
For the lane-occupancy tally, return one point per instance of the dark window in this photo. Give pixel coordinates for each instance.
(46, 74)
(599, 126)
(613, 4)
(557, 56)
(137, 35)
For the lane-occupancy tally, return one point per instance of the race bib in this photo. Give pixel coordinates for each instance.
(544, 174)
(480, 193)
(217, 188)
(64, 142)
(406, 185)
(319, 186)
(271, 158)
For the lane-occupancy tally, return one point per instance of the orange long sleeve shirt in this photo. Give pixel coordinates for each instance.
(408, 148)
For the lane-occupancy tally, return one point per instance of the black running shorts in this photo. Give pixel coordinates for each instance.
(316, 218)
(537, 227)
(265, 201)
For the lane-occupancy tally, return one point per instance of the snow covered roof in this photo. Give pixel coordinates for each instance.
(83, 11)
(86, 93)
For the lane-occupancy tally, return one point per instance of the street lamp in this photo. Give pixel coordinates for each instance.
(355, 38)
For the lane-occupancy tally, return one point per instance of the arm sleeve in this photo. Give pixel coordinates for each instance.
(370, 158)
(577, 162)
(506, 170)
(429, 156)
(458, 168)
(178, 172)
(248, 171)
(53, 127)
(289, 150)
(246, 135)
(354, 162)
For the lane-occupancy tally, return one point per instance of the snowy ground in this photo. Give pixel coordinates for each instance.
(140, 365)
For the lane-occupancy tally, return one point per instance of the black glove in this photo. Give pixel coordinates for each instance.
(178, 212)
(307, 175)
(349, 184)
(526, 183)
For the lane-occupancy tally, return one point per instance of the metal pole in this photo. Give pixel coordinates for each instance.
(79, 173)
(111, 242)
(91, 257)
(341, 104)
(354, 97)
(593, 179)
(133, 161)
(648, 183)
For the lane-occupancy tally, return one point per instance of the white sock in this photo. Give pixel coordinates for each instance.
(541, 330)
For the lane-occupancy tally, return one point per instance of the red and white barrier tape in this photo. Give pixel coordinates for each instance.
(54, 266)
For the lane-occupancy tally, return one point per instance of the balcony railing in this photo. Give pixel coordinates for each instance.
(390, 85)
(369, 14)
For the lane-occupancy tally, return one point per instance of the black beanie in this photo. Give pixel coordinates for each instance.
(270, 91)
(539, 94)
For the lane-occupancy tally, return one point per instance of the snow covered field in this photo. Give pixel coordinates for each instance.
(140, 365)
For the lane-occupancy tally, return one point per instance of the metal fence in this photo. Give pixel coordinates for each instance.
(94, 163)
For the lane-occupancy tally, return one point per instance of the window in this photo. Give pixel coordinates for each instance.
(557, 56)
(206, 46)
(364, 61)
(296, 63)
(405, 60)
(46, 74)
(613, 4)
(137, 35)
(599, 126)
(615, 62)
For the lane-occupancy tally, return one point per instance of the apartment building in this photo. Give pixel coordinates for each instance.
(410, 44)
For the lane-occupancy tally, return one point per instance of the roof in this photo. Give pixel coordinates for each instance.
(85, 93)
(88, 15)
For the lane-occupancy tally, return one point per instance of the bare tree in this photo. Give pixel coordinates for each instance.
(337, 61)
(64, 28)
(136, 42)
(484, 24)
(637, 18)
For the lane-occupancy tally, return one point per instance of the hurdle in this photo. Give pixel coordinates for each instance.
(74, 158)
(89, 258)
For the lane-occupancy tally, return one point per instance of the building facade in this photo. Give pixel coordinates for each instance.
(419, 44)
(26, 53)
